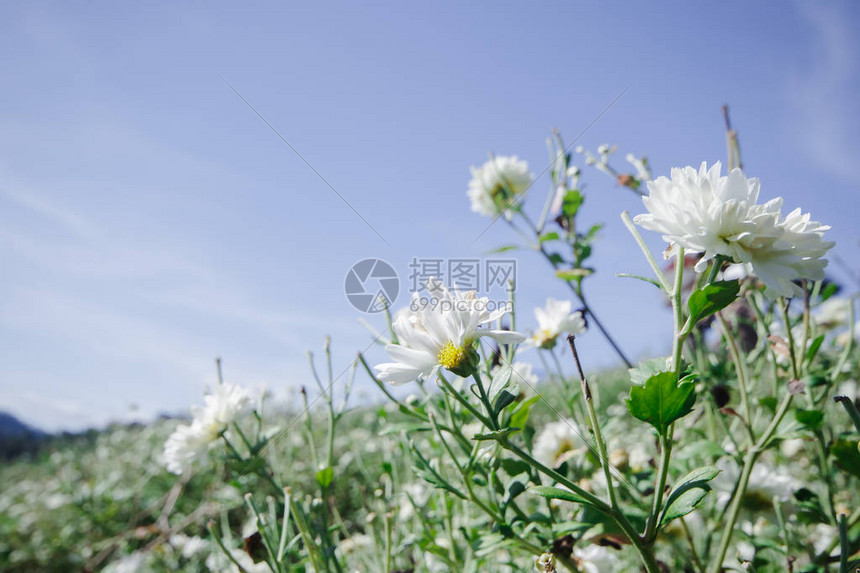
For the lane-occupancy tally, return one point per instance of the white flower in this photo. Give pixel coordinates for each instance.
(188, 442)
(833, 312)
(443, 335)
(596, 559)
(554, 319)
(357, 543)
(766, 482)
(705, 212)
(188, 546)
(497, 184)
(557, 442)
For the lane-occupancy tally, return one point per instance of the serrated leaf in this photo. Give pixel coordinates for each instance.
(712, 298)
(688, 493)
(662, 400)
(557, 493)
(647, 369)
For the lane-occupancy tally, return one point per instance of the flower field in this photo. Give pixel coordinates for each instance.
(736, 452)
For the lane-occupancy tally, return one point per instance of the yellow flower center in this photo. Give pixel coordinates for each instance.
(451, 356)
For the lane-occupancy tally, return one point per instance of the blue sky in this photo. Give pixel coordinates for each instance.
(149, 221)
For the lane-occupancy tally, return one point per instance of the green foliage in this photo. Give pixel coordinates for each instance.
(712, 298)
(662, 400)
(688, 493)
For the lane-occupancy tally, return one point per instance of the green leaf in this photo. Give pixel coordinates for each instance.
(325, 477)
(813, 348)
(500, 382)
(661, 400)
(572, 202)
(505, 399)
(828, 291)
(712, 298)
(688, 493)
(641, 278)
(647, 369)
(573, 274)
(557, 493)
(847, 455)
(246, 466)
(551, 236)
(497, 435)
(809, 418)
(521, 414)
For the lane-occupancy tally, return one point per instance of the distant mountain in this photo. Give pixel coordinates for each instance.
(12, 427)
(17, 438)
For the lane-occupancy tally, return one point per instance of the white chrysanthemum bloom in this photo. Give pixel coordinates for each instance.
(446, 337)
(553, 320)
(188, 442)
(596, 559)
(714, 214)
(558, 442)
(497, 184)
(766, 482)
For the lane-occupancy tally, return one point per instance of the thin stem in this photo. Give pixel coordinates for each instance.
(457, 396)
(578, 293)
(595, 425)
(843, 544)
(659, 488)
(491, 414)
(741, 372)
(388, 517)
(743, 483)
(666, 439)
(696, 561)
(645, 551)
(661, 278)
(791, 350)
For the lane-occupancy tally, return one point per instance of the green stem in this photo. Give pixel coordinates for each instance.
(645, 552)
(459, 397)
(595, 425)
(743, 483)
(791, 350)
(843, 544)
(661, 278)
(741, 372)
(485, 399)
